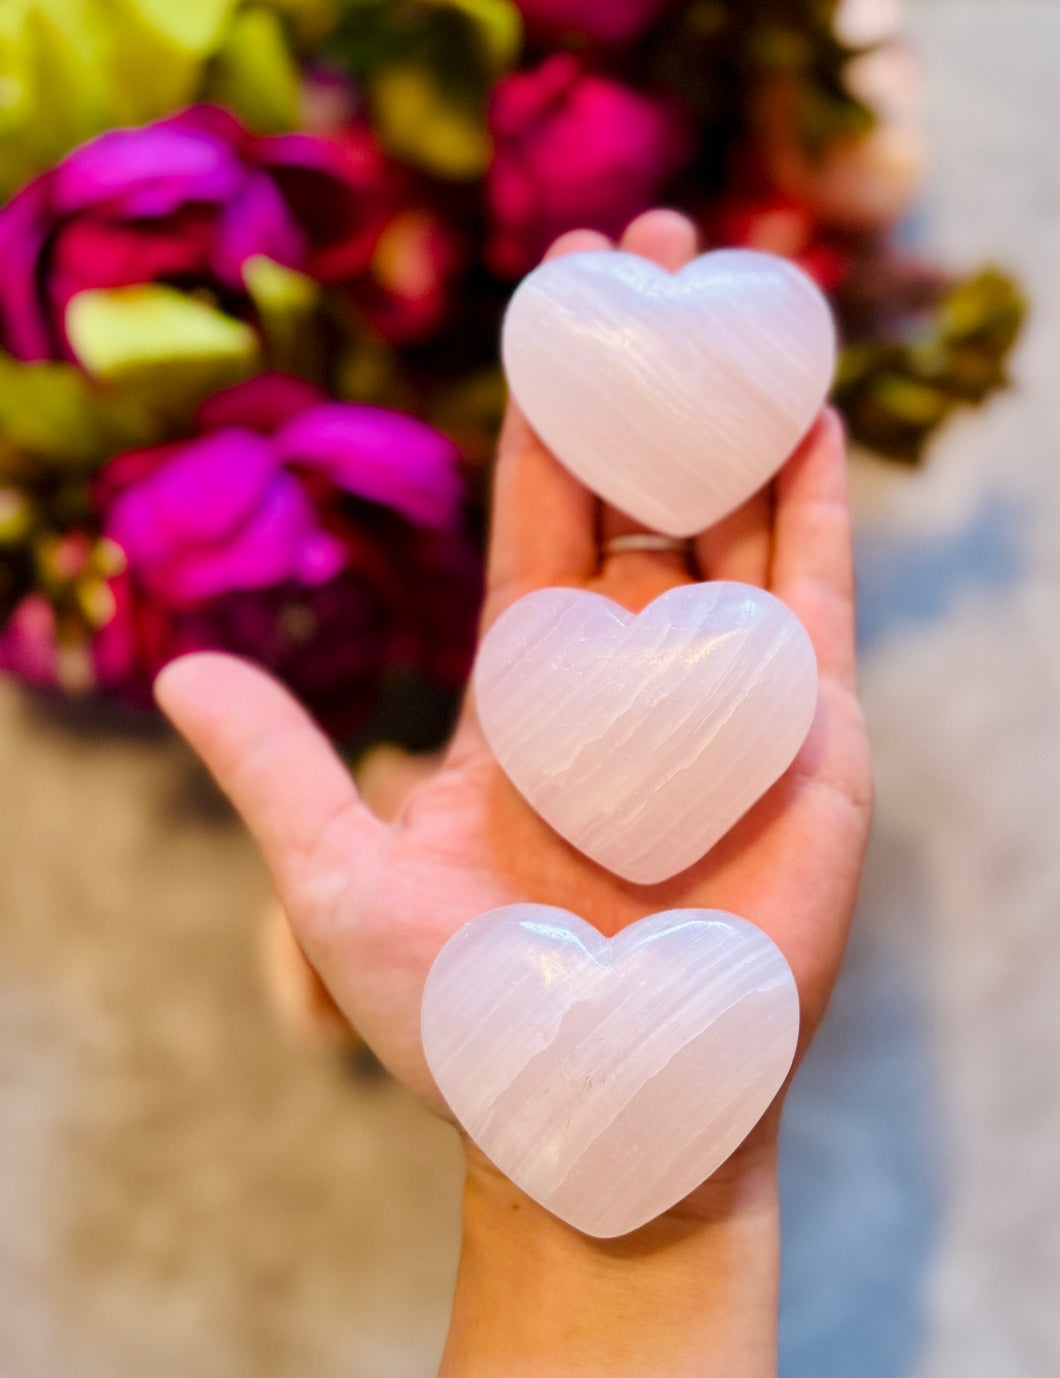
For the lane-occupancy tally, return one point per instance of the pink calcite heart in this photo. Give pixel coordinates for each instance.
(642, 740)
(609, 1078)
(672, 396)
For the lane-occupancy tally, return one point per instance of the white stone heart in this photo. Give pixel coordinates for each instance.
(672, 396)
(642, 740)
(608, 1078)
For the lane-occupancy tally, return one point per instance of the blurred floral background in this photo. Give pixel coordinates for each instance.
(253, 259)
(248, 390)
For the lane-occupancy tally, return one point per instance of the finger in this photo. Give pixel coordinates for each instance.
(740, 546)
(813, 565)
(542, 527)
(578, 242)
(671, 240)
(277, 767)
(667, 237)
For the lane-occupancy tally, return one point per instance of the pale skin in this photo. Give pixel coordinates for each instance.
(371, 904)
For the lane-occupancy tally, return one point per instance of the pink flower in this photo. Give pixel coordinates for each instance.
(323, 540)
(186, 201)
(29, 644)
(573, 150)
(609, 21)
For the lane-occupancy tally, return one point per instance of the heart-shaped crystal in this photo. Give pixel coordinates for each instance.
(672, 396)
(643, 739)
(608, 1078)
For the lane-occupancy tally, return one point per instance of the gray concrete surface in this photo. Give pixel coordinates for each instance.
(924, 1133)
(182, 1192)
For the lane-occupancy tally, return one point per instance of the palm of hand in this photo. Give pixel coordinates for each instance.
(372, 904)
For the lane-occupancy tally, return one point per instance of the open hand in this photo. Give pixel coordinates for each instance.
(371, 903)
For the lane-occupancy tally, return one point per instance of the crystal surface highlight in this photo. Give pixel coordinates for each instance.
(609, 1077)
(672, 396)
(643, 739)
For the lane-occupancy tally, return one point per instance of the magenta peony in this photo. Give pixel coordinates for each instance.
(573, 150)
(186, 201)
(321, 539)
(609, 21)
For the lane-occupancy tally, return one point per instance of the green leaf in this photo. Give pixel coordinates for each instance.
(419, 122)
(910, 402)
(310, 21)
(191, 26)
(51, 75)
(428, 67)
(287, 304)
(16, 517)
(17, 83)
(500, 28)
(165, 348)
(987, 308)
(72, 68)
(896, 391)
(53, 412)
(157, 52)
(278, 290)
(255, 74)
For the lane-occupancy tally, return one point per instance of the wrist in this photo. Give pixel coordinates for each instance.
(692, 1293)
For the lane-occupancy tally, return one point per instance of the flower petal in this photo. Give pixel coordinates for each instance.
(146, 173)
(24, 229)
(339, 194)
(279, 542)
(256, 221)
(263, 403)
(203, 494)
(91, 251)
(382, 456)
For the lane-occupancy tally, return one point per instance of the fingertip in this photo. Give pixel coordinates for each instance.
(179, 678)
(578, 242)
(267, 754)
(830, 430)
(834, 418)
(667, 237)
(229, 708)
(196, 677)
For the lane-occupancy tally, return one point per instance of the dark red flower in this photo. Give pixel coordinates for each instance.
(609, 21)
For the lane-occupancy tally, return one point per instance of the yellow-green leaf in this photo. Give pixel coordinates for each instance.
(500, 25)
(54, 413)
(72, 68)
(168, 349)
(255, 74)
(195, 26)
(287, 303)
(419, 124)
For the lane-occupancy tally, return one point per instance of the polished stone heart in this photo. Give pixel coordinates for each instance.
(672, 396)
(642, 740)
(609, 1078)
